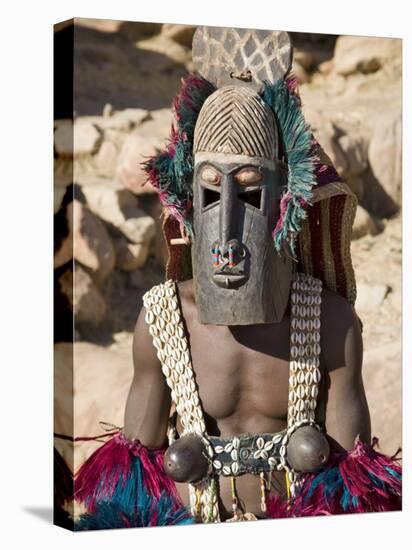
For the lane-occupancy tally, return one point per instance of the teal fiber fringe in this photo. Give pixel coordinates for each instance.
(171, 172)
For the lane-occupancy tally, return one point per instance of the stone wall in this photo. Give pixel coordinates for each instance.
(127, 74)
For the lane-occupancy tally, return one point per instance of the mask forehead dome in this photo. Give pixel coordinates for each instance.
(236, 120)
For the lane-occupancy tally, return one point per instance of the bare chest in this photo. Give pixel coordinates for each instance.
(242, 375)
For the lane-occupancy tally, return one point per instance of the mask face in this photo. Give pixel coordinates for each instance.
(239, 277)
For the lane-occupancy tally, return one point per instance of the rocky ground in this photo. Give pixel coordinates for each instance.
(126, 76)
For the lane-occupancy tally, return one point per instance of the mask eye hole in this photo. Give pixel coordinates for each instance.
(254, 198)
(249, 176)
(211, 176)
(209, 197)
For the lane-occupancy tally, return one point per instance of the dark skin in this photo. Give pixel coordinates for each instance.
(242, 374)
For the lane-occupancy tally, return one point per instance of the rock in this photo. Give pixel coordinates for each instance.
(58, 194)
(137, 279)
(84, 297)
(370, 296)
(354, 148)
(63, 137)
(139, 227)
(356, 184)
(326, 135)
(375, 199)
(300, 72)
(63, 171)
(100, 378)
(86, 138)
(304, 58)
(346, 147)
(182, 34)
(107, 110)
(125, 120)
(134, 31)
(88, 242)
(108, 200)
(385, 153)
(106, 159)
(92, 244)
(129, 170)
(130, 256)
(382, 374)
(117, 206)
(64, 254)
(364, 54)
(153, 207)
(363, 224)
(156, 130)
(326, 67)
(170, 54)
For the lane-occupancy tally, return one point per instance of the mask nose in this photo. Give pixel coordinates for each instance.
(228, 212)
(228, 255)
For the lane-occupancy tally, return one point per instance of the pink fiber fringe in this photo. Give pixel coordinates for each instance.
(111, 464)
(359, 481)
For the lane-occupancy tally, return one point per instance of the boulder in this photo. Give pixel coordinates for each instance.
(129, 172)
(364, 54)
(304, 58)
(63, 137)
(385, 153)
(137, 278)
(87, 242)
(58, 194)
(300, 72)
(182, 34)
(133, 30)
(108, 200)
(170, 54)
(354, 148)
(326, 135)
(357, 185)
(62, 171)
(382, 374)
(370, 296)
(138, 227)
(363, 224)
(375, 199)
(106, 159)
(117, 206)
(156, 130)
(86, 138)
(86, 301)
(100, 378)
(130, 256)
(123, 121)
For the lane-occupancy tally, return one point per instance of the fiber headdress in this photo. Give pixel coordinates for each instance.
(317, 208)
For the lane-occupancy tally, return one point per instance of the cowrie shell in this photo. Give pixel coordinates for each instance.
(149, 317)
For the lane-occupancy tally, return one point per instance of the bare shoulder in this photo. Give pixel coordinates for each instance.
(337, 310)
(341, 337)
(144, 352)
(186, 293)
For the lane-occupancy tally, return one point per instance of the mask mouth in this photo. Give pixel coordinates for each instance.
(228, 263)
(228, 279)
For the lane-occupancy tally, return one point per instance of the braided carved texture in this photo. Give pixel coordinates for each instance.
(235, 120)
(218, 53)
